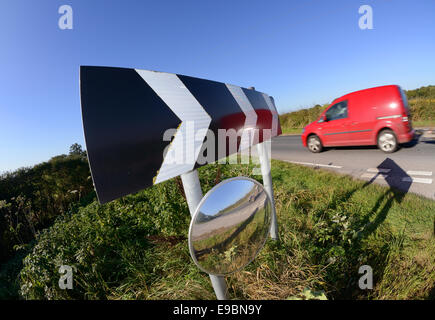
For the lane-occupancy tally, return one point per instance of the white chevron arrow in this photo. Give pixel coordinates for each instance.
(180, 157)
(275, 119)
(251, 116)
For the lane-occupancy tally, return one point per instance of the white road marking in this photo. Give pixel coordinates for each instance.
(377, 173)
(418, 180)
(419, 173)
(378, 170)
(371, 176)
(315, 164)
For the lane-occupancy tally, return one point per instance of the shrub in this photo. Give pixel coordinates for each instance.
(31, 198)
(99, 242)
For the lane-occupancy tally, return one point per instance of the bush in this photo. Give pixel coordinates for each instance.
(301, 118)
(31, 198)
(102, 242)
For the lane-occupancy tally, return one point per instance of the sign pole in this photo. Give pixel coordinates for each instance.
(193, 192)
(267, 182)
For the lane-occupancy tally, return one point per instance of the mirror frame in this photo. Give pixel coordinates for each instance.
(204, 198)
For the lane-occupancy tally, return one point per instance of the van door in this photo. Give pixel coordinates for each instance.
(361, 121)
(334, 131)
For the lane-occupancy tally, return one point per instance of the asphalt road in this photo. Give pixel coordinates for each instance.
(229, 220)
(410, 169)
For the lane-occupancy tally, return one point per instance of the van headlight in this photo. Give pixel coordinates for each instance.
(303, 130)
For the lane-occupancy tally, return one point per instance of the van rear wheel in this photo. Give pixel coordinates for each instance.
(387, 141)
(314, 144)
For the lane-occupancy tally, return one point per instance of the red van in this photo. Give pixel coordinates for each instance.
(376, 116)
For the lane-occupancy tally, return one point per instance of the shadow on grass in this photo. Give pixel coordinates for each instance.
(348, 287)
(397, 179)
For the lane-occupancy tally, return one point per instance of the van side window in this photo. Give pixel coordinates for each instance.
(337, 111)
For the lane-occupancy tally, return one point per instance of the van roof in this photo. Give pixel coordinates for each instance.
(364, 90)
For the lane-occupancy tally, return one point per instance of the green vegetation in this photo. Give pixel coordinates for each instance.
(293, 122)
(424, 123)
(31, 199)
(330, 225)
(421, 93)
(421, 102)
(291, 131)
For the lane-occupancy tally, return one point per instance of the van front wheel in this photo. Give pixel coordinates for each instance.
(387, 141)
(314, 144)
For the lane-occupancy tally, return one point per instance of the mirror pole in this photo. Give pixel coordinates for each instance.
(264, 155)
(193, 192)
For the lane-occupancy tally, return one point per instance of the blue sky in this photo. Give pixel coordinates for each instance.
(299, 52)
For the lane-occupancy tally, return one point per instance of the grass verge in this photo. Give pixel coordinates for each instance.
(423, 123)
(286, 130)
(329, 226)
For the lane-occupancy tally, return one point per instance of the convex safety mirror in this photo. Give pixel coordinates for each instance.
(230, 226)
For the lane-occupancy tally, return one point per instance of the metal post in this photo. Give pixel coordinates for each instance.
(193, 192)
(264, 156)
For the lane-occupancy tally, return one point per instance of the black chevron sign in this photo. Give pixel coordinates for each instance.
(127, 113)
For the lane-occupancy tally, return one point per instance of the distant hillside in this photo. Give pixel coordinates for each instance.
(421, 102)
